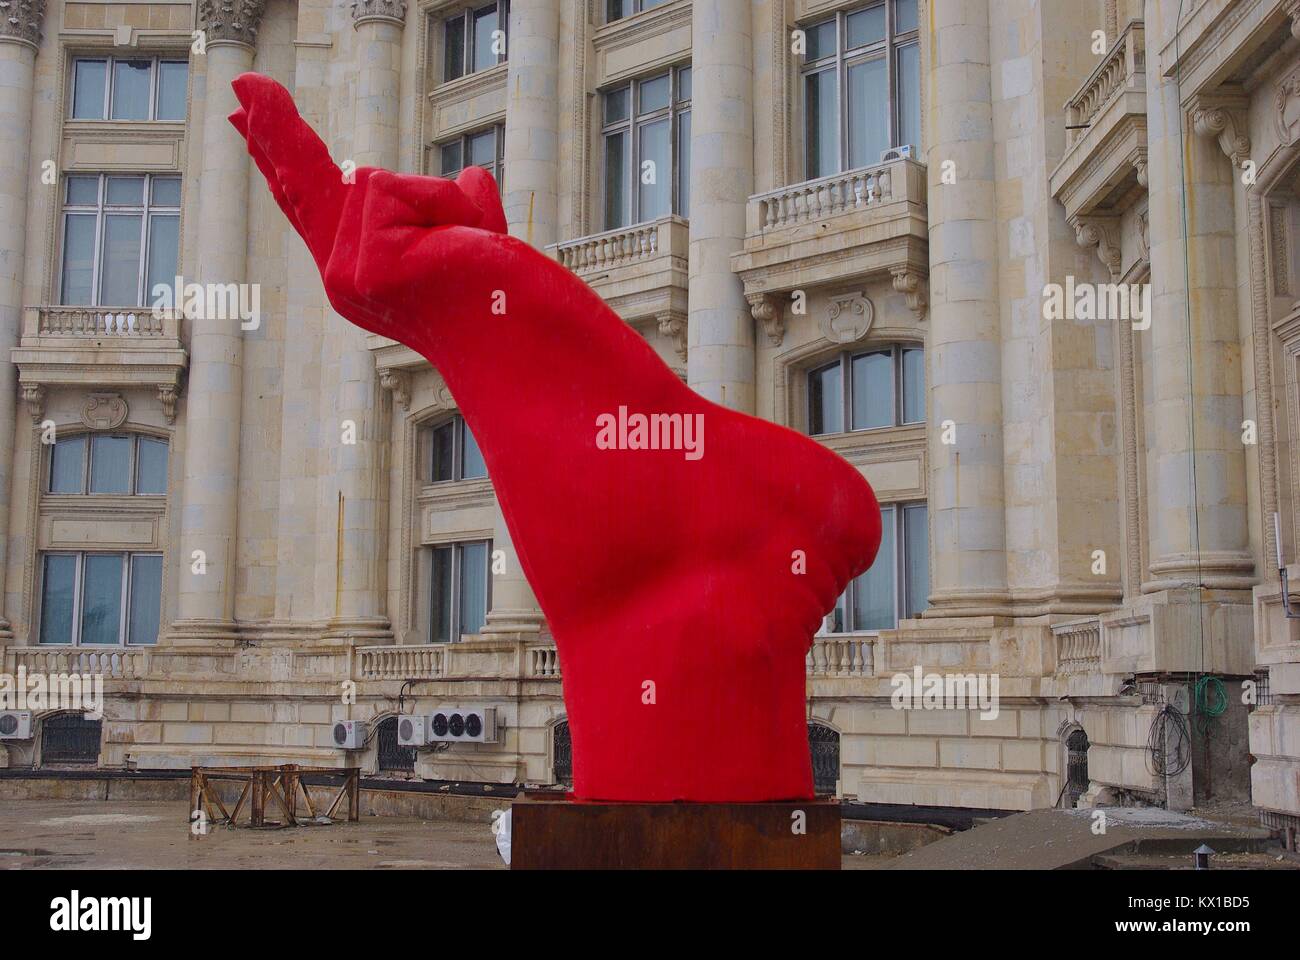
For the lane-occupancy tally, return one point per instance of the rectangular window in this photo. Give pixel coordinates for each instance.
(134, 88)
(646, 129)
(867, 391)
(454, 453)
(861, 86)
(898, 583)
(460, 589)
(618, 9)
(100, 599)
(121, 236)
(109, 464)
(475, 39)
(481, 148)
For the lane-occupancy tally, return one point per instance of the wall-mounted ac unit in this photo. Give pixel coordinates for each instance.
(350, 734)
(15, 724)
(478, 725)
(905, 152)
(412, 731)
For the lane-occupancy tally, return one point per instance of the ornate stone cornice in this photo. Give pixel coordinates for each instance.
(672, 323)
(20, 20)
(393, 11)
(770, 310)
(1224, 116)
(911, 284)
(1102, 233)
(231, 21)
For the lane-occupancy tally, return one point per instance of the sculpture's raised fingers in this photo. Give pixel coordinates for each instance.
(482, 190)
(401, 199)
(239, 120)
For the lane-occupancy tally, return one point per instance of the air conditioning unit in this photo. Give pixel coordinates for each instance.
(412, 731)
(350, 734)
(904, 152)
(15, 724)
(464, 726)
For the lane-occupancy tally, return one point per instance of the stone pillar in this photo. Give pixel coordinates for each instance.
(531, 200)
(379, 73)
(19, 40)
(967, 507)
(721, 352)
(1197, 488)
(210, 492)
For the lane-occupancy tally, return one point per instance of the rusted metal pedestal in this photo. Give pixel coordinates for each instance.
(553, 832)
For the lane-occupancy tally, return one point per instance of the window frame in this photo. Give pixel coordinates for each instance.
(638, 7)
(133, 467)
(459, 428)
(631, 126)
(146, 210)
(840, 61)
(498, 166)
(155, 86)
(902, 587)
(78, 591)
(844, 361)
(467, 17)
(457, 553)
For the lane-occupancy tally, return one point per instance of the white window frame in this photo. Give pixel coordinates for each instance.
(637, 6)
(146, 210)
(845, 362)
(897, 510)
(498, 165)
(155, 86)
(457, 548)
(630, 127)
(124, 616)
(133, 468)
(467, 18)
(459, 428)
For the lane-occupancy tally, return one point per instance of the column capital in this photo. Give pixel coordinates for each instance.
(1223, 115)
(1102, 233)
(393, 11)
(20, 21)
(231, 21)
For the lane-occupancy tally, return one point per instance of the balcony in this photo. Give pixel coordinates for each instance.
(863, 223)
(1105, 160)
(107, 347)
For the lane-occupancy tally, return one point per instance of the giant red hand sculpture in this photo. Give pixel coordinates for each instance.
(682, 586)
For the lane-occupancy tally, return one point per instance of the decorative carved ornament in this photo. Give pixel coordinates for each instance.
(1139, 161)
(911, 284)
(398, 383)
(1292, 8)
(392, 10)
(769, 309)
(21, 20)
(1144, 233)
(848, 318)
(34, 397)
(1224, 116)
(1286, 106)
(104, 411)
(1102, 233)
(235, 21)
(673, 324)
(167, 394)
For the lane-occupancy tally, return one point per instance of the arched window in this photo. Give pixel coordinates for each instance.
(70, 738)
(561, 754)
(393, 758)
(108, 464)
(1076, 766)
(867, 390)
(824, 743)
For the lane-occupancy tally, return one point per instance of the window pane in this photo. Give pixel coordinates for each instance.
(868, 112)
(684, 84)
(616, 105)
(873, 601)
(617, 9)
(616, 193)
(652, 94)
(450, 162)
(821, 40)
(83, 191)
(474, 466)
(873, 391)
(131, 89)
(483, 149)
(454, 48)
(484, 23)
(913, 386)
(151, 466)
(88, 81)
(78, 258)
(916, 544)
(57, 584)
(101, 599)
(840, 615)
(866, 26)
(443, 449)
(473, 587)
(125, 192)
(119, 278)
(656, 169)
(440, 595)
(68, 466)
(110, 464)
(146, 599)
(651, 4)
(823, 124)
(684, 163)
(904, 16)
(164, 244)
(826, 400)
(909, 95)
(172, 77)
(166, 191)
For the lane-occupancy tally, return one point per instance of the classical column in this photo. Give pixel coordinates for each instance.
(378, 25)
(967, 507)
(720, 361)
(1197, 487)
(532, 154)
(19, 38)
(210, 493)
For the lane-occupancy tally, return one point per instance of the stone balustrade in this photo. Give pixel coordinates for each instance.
(1123, 68)
(822, 198)
(1078, 645)
(841, 656)
(624, 246)
(100, 322)
(117, 663)
(410, 662)
(543, 662)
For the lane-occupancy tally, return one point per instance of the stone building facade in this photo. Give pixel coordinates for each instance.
(841, 215)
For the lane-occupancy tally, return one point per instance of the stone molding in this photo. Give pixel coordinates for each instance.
(911, 283)
(672, 324)
(391, 11)
(1224, 116)
(769, 309)
(20, 21)
(231, 21)
(1102, 233)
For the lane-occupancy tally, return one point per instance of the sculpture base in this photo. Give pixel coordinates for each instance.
(553, 832)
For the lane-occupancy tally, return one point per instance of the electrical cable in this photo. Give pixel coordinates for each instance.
(1163, 759)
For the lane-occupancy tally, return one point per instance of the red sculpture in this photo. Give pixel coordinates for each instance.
(683, 553)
